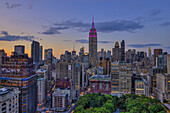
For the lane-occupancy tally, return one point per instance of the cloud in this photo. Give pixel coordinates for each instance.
(104, 27)
(167, 47)
(155, 12)
(54, 30)
(86, 41)
(12, 5)
(4, 36)
(165, 24)
(143, 45)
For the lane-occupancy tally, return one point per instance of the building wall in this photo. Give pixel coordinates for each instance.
(125, 74)
(162, 90)
(9, 102)
(100, 86)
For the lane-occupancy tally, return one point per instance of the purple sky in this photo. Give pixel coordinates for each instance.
(59, 24)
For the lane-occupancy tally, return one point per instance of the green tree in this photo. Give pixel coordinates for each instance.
(109, 107)
(155, 108)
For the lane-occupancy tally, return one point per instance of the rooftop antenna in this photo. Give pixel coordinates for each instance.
(93, 22)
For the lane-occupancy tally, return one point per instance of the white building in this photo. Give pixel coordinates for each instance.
(162, 90)
(9, 100)
(42, 86)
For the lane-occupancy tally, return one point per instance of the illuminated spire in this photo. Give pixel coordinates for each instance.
(149, 48)
(93, 22)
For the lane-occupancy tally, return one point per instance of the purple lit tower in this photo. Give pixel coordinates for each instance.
(93, 45)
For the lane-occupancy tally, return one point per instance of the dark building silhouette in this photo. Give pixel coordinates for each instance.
(35, 51)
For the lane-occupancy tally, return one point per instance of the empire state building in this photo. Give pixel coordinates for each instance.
(93, 45)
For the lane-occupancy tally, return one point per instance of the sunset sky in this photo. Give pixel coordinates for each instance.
(60, 24)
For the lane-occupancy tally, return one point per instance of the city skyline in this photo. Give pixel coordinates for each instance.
(139, 23)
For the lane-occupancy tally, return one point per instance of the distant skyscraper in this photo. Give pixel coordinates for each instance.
(116, 52)
(45, 54)
(35, 51)
(19, 49)
(40, 53)
(50, 54)
(130, 55)
(93, 45)
(108, 54)
(122, 50)
(149, 52)
(157, 52)
(81, 53)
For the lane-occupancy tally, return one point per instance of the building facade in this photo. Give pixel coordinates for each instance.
(141, 87)
(162, 90)
(17, 72)
(9, 100)
(100, 83)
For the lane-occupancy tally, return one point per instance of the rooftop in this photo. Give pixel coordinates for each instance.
(100, 77)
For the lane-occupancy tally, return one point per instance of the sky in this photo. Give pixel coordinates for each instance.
(60, 24)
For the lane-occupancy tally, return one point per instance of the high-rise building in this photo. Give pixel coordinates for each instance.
(122, 51)
(141, 87)
(9, 100)
(63, 69)
(121, 73)
(161, 61)
(17, 71)
(141, 55)
(108, 54)
(3, 56)
(86, 60)
(45, 54)
(93, 45)
(125, 81)
(168, 63)
(81, 53)
(130, 55)
(50, 54)
(40, 53)
(149, 52)
(157, 52)
(42, 86)
(105, 63)
(19, 49)
(35, 51)
(162, 90)
(118, 53)
(115, 77)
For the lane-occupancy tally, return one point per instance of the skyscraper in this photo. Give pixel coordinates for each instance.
(122, 50)
(93, 45)
(19, 49)
(35, 51)
(118, 53)
(157, 52)
(149, 52)
(40, 53)
(17, 71)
